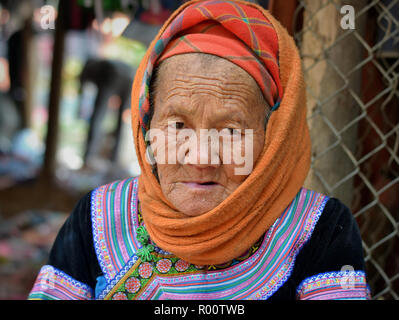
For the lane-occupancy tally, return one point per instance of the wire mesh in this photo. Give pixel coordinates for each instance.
(352, 78)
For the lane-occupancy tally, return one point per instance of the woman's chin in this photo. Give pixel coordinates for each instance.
(194, 199)
(194, 211)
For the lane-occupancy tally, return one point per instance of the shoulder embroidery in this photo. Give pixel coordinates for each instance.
(289, 234)
(112, 206)
(53, 284)
(342, 285)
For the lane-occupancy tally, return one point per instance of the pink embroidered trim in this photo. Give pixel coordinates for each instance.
(342, 285)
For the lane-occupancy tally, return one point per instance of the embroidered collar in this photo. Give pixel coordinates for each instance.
(149, 248)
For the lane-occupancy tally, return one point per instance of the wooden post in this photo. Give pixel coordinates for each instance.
(49, 165)
(284, 12)
(27, 77)
(332, 79)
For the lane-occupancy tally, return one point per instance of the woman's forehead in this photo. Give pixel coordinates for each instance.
(186, 83)
(203, 68)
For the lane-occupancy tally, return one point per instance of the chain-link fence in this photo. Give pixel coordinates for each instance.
(351, 65)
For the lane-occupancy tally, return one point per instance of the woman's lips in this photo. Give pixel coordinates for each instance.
(201, 185)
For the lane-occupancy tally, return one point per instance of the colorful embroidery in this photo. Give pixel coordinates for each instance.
(132, 285)
(143, 273)
(112, 206)
(256, 275)
(145, 241)
(120, 296)
(347, 285)
(181, 265)
(164, 265)
(53, 284)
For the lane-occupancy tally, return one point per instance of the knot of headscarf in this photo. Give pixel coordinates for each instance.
(251, 38)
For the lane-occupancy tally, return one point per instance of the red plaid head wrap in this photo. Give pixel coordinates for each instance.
(212, 38)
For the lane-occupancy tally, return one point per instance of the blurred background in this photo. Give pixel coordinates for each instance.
(66, 69)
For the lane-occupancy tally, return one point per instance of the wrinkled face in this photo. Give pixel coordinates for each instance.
(196, 93)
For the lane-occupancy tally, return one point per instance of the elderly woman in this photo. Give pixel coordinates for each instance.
(227, 219)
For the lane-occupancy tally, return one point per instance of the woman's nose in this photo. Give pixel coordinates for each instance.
(204, 150)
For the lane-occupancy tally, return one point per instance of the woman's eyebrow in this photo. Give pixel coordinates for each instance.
(178, 109)
(236, 115)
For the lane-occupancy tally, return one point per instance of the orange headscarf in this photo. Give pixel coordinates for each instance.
(244, 216)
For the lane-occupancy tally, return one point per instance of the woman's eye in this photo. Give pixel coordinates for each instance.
(177, 125)
(233, 131)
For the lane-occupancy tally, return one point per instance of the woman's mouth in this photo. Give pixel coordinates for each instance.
(200, 185)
